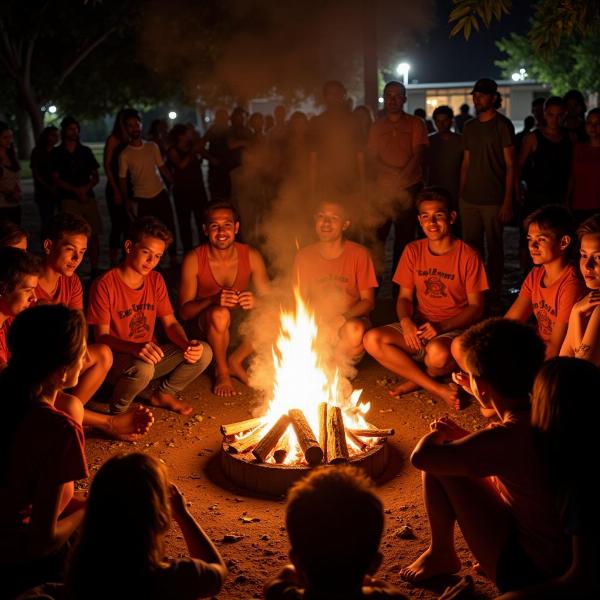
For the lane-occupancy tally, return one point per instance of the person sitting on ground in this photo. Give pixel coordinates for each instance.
(123, 307)
(12, 235)
(41, 445)
(491, 481)
(583, 333)
(337, 277)
(214, 291)
(64, 246)
(442, 281)
(19, 272)
(334, 543)
(130, 507)
(561, 394)
(553, 286)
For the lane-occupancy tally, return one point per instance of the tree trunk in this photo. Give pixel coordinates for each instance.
(28, 103)
(24, 135)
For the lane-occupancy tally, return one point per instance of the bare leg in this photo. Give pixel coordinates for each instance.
(97, 365)
(218, 320)
(351, 336)
(483, 519)
(235, 363)
(387, 346)
(163, 400)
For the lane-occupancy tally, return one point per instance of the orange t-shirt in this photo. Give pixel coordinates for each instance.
(552, 304)
(393, 144)
(441, 282)
(4, 353)
(334, 285)
(68, 292)
(131, 314)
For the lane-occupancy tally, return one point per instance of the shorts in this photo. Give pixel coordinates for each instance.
(88, 210)
(515, 569)
(420, 355)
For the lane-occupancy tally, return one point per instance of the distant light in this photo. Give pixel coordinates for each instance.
(52, 109)
(380, 100)
(516, 77)
(521, 75)
(206, 119)
(402, 69)
(172, 115)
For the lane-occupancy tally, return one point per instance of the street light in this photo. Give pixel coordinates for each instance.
(172, 115)
(521, 75)
(402, 69)
(52, 109)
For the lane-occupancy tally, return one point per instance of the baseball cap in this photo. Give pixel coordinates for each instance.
(485, 86)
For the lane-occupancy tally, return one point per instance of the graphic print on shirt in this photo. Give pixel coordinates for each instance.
(542, 312)
(434, 285)
(138, 324)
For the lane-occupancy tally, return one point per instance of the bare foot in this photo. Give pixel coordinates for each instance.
(237, 370)
(131, 425)
(429, 565)
(224, 386)
(449, 393)
(171, 403)
(406, 387)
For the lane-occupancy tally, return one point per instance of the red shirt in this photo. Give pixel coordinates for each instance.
(441, 282)
(68, 291)
(48, 449)
(4, 353)
(131, 314)
(552, 304)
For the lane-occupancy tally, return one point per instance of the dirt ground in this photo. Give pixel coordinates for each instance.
(191, 446)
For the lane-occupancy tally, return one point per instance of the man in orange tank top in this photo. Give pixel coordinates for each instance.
(215, 291)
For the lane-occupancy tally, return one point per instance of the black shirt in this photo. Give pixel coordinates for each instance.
(74, 168)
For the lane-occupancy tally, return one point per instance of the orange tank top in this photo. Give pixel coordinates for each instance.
(208, 285)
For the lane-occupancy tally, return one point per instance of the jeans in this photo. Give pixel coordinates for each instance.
(130, 375)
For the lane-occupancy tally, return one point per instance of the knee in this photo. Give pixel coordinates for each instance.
(353, 331)
(102, 356)
(372, 341)
(437, 355)
(456, 350)
(219, 318)
(141, 372)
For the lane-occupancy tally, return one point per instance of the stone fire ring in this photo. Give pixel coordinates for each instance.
(275, 480)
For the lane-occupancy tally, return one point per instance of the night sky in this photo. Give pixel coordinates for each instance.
(439, 58)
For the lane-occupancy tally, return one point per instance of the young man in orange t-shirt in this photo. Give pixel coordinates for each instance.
(124, 305)
(337, 278)
(447, 279)
(64, 246)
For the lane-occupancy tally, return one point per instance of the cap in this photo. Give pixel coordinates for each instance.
(485, 86)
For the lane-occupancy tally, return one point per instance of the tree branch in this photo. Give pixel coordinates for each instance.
(8, 56)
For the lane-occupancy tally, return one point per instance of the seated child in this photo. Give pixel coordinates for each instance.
(442, 281)
(130, 507)
(215, 291)
(553, 286)
(491, 481)
(334, 522)
(337, 278)
(123, 307)
(583, 334)
(41, 446)
(19, 272)
(12, 235)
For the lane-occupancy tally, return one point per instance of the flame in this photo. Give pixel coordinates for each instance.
(302, 380)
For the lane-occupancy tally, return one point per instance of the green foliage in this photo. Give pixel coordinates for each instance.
(468, 15)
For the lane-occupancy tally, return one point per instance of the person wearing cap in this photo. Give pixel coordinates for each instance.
(486, 183)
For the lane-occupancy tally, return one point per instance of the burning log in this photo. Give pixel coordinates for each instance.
(362, 446)
(306, 438)
(247, 443)
(281, 451)
(337, 449)
(240, 427)
(373, 432)
(323, 429)
(269, 441)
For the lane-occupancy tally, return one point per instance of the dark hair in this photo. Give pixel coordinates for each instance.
(11, 152)
(498, 101)
(43, 139)
(138, 485)
(565, 420)
(155, 125)
(334, 522)
(590, 226)
(435, 192)
(593, 111)
(444, 110)
(221, 205)
(14, 265)
(538, 101)
(59, 333)
(67, 122)
(554, 101)
(130, 113)
(506, 353)
(578, 97)
(178, 130)
(528, 123)
(390, 84)
(554, 218)
(420, 112)
(10, 233)
(66, 223)
(333, 84)
(464, 108)
(151, 227)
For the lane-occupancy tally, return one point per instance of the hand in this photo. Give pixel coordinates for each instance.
(193, 352)
(448, 430)
(177, 500)
(411, 335)
(587, 304)
(505, 213)
(427, 331)
(462, 379)
(247, 300)
(229, 298)
(150, 353)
